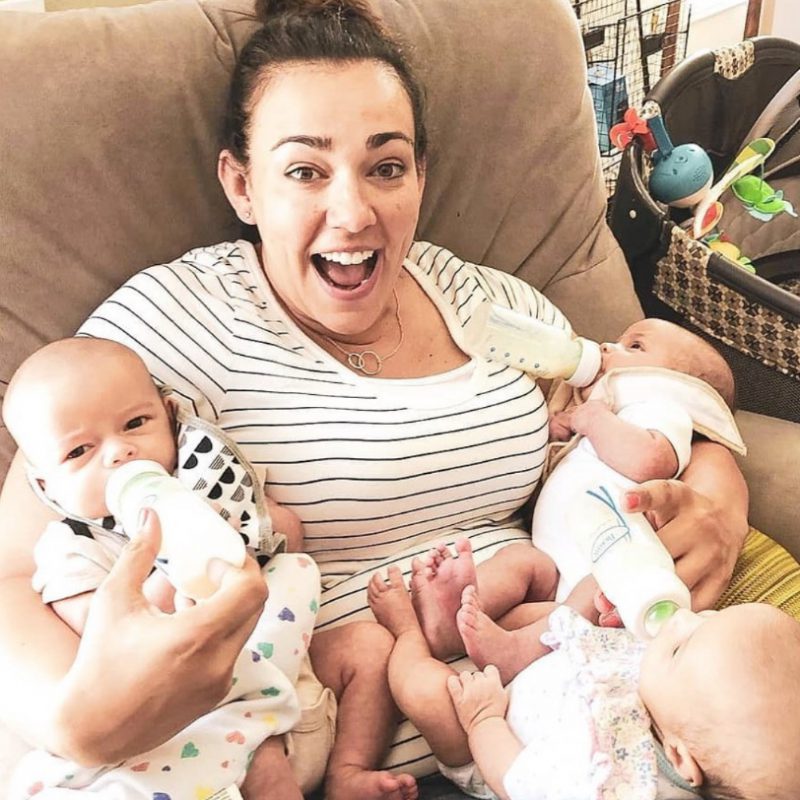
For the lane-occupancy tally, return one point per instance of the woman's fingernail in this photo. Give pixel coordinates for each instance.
(632, 501)
(144, 515)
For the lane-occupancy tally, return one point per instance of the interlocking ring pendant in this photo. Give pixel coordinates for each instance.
(363, 362)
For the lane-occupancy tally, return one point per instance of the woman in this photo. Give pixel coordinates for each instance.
(338, 366)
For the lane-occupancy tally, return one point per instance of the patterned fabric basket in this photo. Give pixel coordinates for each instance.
(713, 99)
(728, 303)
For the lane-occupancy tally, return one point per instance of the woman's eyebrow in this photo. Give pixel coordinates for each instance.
(374, 141)
(317, 142)
(380, 139)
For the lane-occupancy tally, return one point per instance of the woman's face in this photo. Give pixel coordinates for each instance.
(334, 189)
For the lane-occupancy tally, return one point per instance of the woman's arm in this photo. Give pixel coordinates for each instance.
(29, 702)
(82, 698)
(702, 519)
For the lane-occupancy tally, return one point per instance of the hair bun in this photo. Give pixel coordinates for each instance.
(267, 9)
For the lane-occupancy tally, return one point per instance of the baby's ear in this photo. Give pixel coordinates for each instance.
(677, 751)
(171, 405)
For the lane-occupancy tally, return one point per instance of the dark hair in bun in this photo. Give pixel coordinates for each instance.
(314, 30)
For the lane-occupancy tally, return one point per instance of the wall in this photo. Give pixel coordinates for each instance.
(780, 18)
(716, 23)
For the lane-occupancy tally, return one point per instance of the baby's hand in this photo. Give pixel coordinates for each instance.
(477, 696)
(560, 428)
(586, 416)
(609, 616)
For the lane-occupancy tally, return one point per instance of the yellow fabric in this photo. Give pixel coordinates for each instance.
(764, 573)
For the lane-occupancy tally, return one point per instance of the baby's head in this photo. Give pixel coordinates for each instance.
(78, 409)
(657, 343)
(723, 690)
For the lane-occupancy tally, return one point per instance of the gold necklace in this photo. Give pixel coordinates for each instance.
(368, 361)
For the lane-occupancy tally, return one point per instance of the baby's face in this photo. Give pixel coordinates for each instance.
(708, 663)
(685, 649)
(726, 685)
(648, 343)
(78, 434)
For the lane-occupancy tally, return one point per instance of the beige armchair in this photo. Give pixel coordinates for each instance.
(108, 154)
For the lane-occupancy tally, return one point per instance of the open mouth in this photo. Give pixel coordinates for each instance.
(345, 270)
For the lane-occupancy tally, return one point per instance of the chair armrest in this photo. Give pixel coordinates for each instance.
(772, 471)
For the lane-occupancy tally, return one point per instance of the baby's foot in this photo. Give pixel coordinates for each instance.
(347, 783)
(485, 641)
(391, 603)
(437, 580)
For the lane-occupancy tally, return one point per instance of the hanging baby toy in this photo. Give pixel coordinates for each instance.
(681, 175)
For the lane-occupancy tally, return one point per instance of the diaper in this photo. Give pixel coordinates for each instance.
(468, 779)
(309, 743)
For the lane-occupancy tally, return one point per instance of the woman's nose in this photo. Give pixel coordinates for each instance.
(350, 206)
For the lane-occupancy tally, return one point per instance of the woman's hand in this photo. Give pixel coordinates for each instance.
(702, 519)
(140, 676)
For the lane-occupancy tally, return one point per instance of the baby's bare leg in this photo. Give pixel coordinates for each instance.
(514, 641)
(418, 680)
(489, 643)
(269, 773)
(437, 580)
(519, 573)
(353, 660)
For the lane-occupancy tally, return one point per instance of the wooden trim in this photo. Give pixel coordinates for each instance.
(752, 23)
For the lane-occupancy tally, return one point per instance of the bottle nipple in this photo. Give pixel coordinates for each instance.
(589, 363)
(657, 615)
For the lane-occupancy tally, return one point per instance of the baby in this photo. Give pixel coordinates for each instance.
(80, 408)
(657, 385)
(637, 425)
(708, 708)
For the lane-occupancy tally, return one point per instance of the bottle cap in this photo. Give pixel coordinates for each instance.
(120, 477)
(646, 589)
(588, 364)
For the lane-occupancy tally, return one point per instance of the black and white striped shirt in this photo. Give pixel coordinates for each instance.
(377, 469)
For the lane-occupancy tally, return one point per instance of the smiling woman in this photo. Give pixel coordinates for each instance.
(336, 199)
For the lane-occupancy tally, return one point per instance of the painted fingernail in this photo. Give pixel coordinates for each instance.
(632, 501)
(144, 515)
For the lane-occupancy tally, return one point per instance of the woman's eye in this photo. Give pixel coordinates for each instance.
(303, 174)
(390, 169)
(136, 422)
(76, 452)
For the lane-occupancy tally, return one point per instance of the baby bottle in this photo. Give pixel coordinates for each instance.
(192, 532)
(630, 563)
(525, 343)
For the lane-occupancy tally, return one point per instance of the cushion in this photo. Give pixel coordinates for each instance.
(764, 573)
